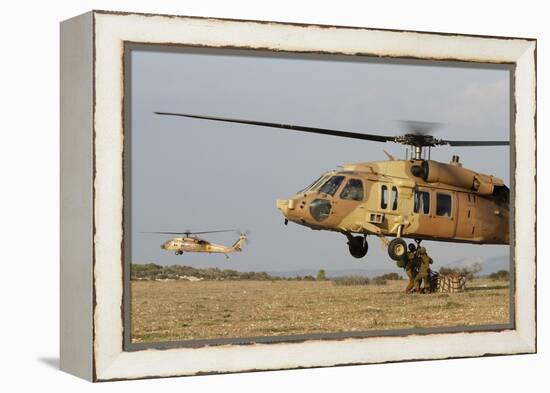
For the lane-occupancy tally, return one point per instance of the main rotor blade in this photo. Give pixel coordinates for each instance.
(193, 233)
(223, 230)
(313, 130)
(476, 143)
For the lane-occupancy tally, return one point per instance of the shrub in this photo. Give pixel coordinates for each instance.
(262, 276)
(390, 276)
(352, 280)
(467, 271)
(321, 275)
(501, 275)
(379, 281)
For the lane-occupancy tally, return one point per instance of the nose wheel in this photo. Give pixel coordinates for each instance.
(358, 246)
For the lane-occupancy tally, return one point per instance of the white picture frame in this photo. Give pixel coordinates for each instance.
(92, 194)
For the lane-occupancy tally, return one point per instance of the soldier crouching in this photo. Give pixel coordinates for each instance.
(411, 267)
(410, 264)
(423, 275)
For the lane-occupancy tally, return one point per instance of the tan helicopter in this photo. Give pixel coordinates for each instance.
(415, 198)
(190, 243)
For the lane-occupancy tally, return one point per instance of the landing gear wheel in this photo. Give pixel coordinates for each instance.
(358, 246)
(397, 249)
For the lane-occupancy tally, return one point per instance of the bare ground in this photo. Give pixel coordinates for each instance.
(182, 310)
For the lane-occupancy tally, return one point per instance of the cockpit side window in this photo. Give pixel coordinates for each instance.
(353, 190)
(332, 185)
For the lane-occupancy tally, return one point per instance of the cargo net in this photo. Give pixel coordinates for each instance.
(448, 283)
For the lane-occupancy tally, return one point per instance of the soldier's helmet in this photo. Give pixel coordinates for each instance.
(421, 250)
(412, 247)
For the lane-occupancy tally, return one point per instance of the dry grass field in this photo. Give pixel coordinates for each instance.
(182, 310)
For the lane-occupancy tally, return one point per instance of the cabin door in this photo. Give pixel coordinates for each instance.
(434, 213)
(444, 213)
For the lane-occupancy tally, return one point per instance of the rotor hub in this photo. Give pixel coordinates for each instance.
(419, 140)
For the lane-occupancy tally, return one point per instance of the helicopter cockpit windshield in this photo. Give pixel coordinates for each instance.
(331, 186)
(316, 184)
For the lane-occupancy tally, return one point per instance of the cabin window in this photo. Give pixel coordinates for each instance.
(422, 202)
(394, 198)
(353, 190)
(384, 197)
(443, 205)
(332, 184)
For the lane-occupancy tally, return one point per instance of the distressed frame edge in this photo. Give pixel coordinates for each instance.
(305, 24)
(76, 196)
(526, 338)
(526, 122)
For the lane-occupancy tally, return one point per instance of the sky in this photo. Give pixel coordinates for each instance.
(199, 175)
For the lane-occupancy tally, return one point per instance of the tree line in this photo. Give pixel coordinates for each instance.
(152, 271)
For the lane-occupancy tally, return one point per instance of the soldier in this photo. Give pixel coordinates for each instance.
(411, 267)
(424, 271)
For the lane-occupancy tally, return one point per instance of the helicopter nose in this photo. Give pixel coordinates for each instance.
(287, 207)
(283, 206)
(294, 209)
